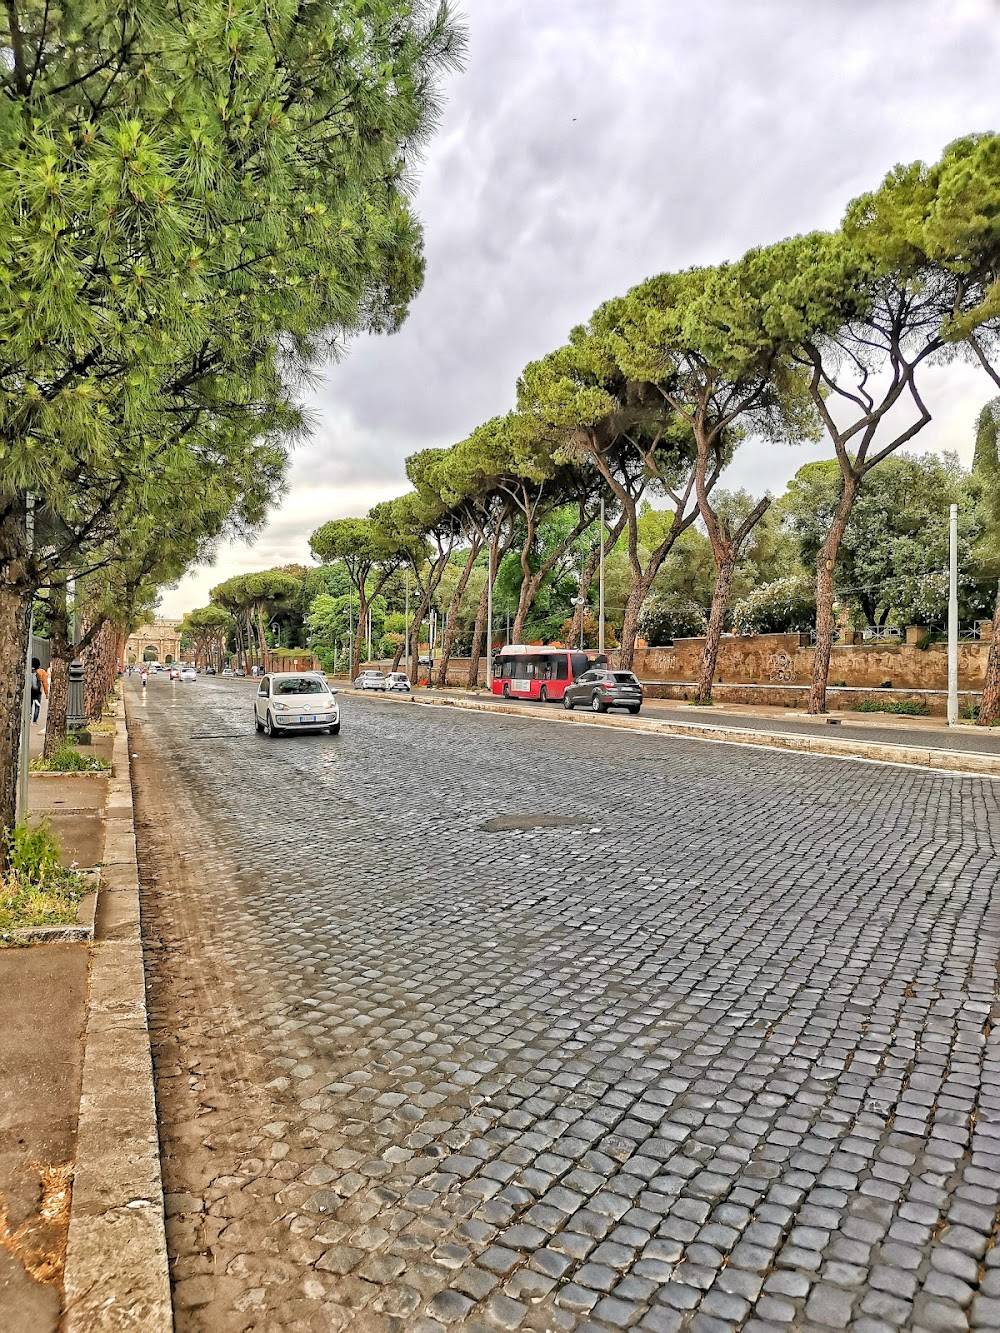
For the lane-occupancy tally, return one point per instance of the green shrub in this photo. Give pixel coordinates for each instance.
(33, 852)
(910, 707)
(37, 890)
(68, 759)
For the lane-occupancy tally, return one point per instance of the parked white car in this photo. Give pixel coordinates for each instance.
(398, 680)
(370, 680)
(295, 701)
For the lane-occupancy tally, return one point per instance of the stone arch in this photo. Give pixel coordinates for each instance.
(151, 653)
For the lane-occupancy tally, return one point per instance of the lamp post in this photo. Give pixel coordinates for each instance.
(600, 613)
(76, 719)
(953, 615)
(489, 621)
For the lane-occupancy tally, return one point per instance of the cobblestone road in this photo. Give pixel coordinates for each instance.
(716, 1056)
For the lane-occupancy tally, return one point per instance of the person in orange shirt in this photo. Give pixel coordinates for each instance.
(39, 687)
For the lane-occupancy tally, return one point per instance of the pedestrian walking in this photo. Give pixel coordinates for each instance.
(39, 687)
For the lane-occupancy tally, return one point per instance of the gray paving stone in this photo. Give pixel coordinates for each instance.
(547, 1044)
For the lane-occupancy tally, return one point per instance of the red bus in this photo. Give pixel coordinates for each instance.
(527, 671)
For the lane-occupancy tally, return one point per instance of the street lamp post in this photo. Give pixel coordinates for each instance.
(76, 719)
(600, 614)
(953, 615)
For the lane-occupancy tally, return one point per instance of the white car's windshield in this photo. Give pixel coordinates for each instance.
(300, 685)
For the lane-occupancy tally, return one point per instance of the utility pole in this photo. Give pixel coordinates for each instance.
(489, 622)
(600, 599)
(369, 633)
(953, 617)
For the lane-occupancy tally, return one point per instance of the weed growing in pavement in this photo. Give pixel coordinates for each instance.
(37, 890)
(68, 759)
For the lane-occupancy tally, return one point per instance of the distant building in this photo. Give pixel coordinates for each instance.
(159, 641)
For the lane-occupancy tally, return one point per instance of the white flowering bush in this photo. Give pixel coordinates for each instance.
(663, 619)
(776, 608)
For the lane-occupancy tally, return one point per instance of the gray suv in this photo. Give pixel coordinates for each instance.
(601, 689)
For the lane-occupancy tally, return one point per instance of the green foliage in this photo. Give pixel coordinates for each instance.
(670, 617)
(781, 607)
(907, 707)
(895, 548)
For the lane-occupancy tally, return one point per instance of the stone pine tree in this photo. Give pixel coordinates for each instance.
(372, 550)
(197, 201)
(909, 279)
(703, 339)
(631, 437)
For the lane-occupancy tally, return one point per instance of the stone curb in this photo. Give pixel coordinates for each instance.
(969, 763)
(116, 1256)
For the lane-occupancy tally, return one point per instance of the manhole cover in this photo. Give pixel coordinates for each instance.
(522, 823)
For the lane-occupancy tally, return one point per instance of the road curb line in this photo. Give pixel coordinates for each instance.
(965, 762)
(117, 1276)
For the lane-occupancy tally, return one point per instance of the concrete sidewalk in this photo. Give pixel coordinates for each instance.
(81, 1210)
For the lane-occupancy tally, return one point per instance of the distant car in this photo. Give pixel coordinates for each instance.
(288, 701)
(210, 671)
(174, 673)
(240, 672)
(398, 680)
(228, 671)
(601, 689)
(370, 680)
(188, 673)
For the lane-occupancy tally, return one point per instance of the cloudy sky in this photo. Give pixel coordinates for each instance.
(591, 143)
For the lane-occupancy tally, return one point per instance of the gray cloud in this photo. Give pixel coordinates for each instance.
(589, 144)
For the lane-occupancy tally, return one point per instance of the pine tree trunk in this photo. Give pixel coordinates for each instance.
(60, 651)
(454, 606)
(15, 611)
(359, 638)
(826, 563)
(476, 650)
(989, 706)
(397, 655)
(713, 635)
(630, 623)
(415, 624)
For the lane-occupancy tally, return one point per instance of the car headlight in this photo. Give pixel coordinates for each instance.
(283, 708)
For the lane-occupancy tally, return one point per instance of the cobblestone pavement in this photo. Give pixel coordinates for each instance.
(717, 1055)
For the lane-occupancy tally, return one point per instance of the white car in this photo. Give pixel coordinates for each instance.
(370, 680)
(228, 671)
(295, 701)
(188, 673)
(398, 680)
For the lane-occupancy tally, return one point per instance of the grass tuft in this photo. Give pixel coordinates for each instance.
(68, 759)
(37, 890)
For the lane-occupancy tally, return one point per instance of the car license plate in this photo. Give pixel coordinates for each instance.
(311, 718)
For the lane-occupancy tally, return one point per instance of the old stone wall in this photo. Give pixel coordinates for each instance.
(787, 659)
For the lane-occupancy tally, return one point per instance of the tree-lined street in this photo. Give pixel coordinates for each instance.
(481, 1021)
